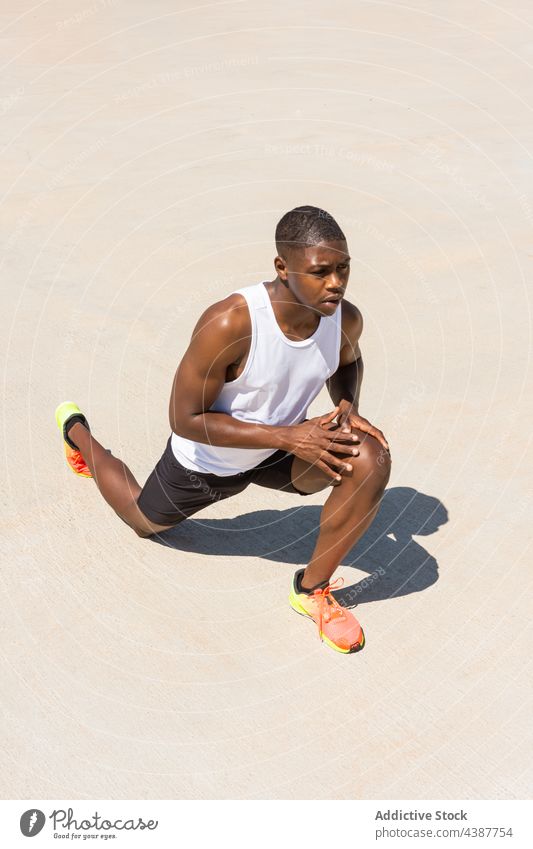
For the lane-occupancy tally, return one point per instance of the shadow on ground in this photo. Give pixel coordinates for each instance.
(395, 562)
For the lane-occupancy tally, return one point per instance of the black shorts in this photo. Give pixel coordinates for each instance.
(173, 492)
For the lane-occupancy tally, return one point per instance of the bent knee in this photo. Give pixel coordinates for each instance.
(139, 522)
(143, 534)
(373, 463)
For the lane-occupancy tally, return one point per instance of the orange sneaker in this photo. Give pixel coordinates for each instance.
(63, 414)
(76, 462)
(337, 627)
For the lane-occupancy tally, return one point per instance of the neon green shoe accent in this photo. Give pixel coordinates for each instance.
(65, 411)
(73, 456)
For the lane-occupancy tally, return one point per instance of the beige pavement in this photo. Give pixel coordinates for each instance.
(147, 151)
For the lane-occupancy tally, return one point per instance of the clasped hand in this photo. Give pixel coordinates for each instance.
(315, 439)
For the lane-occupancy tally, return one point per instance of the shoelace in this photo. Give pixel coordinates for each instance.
(325, 603)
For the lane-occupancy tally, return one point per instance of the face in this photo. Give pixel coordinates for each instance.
(317, 276)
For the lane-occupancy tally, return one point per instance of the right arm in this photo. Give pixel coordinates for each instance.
(221, 338)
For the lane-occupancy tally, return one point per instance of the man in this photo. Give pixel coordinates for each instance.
(238, 408)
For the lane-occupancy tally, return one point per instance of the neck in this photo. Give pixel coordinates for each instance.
(295, 319)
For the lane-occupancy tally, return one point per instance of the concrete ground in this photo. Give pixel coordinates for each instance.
(147, 152)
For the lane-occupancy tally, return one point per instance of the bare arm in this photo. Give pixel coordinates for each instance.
(345, 384)
(220, 338)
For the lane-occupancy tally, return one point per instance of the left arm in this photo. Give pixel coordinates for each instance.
(344, 386)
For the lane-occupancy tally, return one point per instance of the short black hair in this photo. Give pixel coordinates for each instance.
(305, 226)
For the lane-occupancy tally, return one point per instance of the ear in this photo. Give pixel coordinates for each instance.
(282, 270)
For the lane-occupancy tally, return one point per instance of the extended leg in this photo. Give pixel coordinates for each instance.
(114, 480)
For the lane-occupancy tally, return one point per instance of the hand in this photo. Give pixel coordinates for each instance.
(347, 419)
(313, 442)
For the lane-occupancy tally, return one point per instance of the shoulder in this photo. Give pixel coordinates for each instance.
(228, 319)
(352, 321)
(351, 329)
(223, 331)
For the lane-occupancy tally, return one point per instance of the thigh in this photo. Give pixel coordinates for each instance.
(309, 478)
(172, 492)
(141, 524)
(285, 472)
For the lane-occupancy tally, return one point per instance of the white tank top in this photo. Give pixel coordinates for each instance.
(279, 381)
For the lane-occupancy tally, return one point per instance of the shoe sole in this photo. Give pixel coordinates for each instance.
(302, 612)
